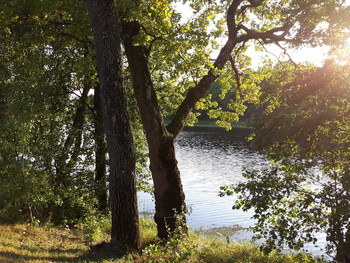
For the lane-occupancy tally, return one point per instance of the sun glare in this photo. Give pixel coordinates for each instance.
(314, 55)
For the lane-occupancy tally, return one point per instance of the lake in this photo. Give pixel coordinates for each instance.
(209, 158)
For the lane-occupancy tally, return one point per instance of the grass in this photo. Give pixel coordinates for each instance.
(25, 243)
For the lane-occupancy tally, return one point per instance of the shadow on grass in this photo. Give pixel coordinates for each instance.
(98, 256)
(102, 251)
(88, 256)
(49, 250)
(16, 257)
(15, 252)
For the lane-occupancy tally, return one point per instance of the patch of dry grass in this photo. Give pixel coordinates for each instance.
(24, 243)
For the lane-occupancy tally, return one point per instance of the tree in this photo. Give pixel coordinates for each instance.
(44, 88)
(51, 121)
(306, 190)
(161, 51)
(174, 71)
(125, 226)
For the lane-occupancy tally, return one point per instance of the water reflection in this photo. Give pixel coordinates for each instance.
(209, 158)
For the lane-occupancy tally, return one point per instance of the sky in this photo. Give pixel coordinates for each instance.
(305, 54)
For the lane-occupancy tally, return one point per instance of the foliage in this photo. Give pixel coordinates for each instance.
(180, 50)
(46, 54)
(178, 248)
(43, 79)
(172, 70)
(306, 189)
(230, 101)
(95, 228)
(47, 115)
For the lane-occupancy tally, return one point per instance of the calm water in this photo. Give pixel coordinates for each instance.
(209, 158)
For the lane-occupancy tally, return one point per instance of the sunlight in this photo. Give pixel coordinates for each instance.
(314, 55)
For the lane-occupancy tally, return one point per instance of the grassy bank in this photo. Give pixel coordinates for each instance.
(24, 243)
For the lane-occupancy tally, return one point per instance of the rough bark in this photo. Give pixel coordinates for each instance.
(100, 155)
(169, 195)
(125, 228)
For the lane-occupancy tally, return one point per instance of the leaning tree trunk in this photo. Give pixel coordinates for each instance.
(125, 229)
(168, 190)
(169, 195)
(68, 157)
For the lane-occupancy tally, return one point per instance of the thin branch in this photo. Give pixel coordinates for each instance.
(235, 70)
(283, 29)
(60, 23)
(192, 73)
(263, 46)
(286, 53)
(154, 38)
(149, 48)
(239, 49)
(147, 32)
(76, 38)
(277, 57)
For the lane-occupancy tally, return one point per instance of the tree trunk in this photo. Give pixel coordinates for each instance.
(125, 229)
(68, 158)
(65, 162)
(169, 195)
(100, 155)
(168, 191)
(347, 247)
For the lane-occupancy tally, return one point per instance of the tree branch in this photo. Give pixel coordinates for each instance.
(76, 38)
(286, 53)
(197, 92)
(267, 36)
(231, 18)
(235, 70)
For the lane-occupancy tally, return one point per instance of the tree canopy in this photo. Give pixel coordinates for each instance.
(51, 134)
(306, 134)
(188, 72)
